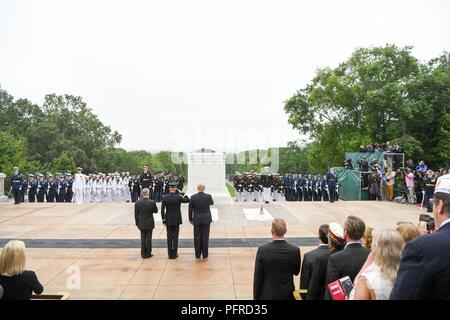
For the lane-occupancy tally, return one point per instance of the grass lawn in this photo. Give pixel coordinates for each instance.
(231, 190)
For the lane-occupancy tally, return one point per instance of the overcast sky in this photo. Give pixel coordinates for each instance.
(179, 75)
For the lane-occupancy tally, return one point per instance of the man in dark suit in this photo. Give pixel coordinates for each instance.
(349, 261)
(200, 217)
(317, 284)
(171, 217)
(425, 264)
(143, 214)
(310, 257)
(275, 266)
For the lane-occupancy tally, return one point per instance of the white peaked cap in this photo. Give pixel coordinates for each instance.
(443, 184)
(336, 230)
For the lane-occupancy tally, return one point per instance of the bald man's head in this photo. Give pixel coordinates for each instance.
(201, 187)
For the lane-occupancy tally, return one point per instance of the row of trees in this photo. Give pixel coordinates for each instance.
(379, 94)
(62, 134)
(289, 159)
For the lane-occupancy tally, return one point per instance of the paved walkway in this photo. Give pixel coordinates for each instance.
(99, 242)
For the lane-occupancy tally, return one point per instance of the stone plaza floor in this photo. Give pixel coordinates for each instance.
(102, 243)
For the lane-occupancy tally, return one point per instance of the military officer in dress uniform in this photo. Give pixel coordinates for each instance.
(62, 189)
(250, 188)
(146, 178)
(314, 188)
(24, 190)
(52, 187)
(69, 192)
(79, 185)
(135, 188)
(32, 188)
(157, 188)
(287, 185)
(324, 187)
(309, 190)
(171, 217)
(331, 182)
(319, 188)
(16, 185)
(42, 188)
(267, 184)
(238, 186)
(302, 186)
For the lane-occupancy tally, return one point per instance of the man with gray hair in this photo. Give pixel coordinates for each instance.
(143, 215)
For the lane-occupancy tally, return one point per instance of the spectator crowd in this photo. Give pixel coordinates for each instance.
(355, 262)
(352, 262)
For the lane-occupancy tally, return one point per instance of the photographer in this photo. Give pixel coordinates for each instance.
(348, 164)
(374, 187)
(426, 224)
(363, 164)
(430, 183)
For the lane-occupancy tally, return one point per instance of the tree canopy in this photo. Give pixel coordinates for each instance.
(64, 133)
(379, 94)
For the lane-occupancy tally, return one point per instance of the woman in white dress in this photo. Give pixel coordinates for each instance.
(377, 281)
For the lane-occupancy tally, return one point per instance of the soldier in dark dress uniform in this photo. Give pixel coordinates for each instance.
(324, 188)
(24, 190)
(52, 188)
(62, 189)
(69, 191)
(331, 182)
(16, 184)
(146, 178)
(135, 188)
(32, 188)
(42, 188)
(171, 217)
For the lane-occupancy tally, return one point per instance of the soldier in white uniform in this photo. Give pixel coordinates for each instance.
(98, 189)
(118, 188)
(125, 187)
(266, 181)
(78, 186)
(88, 188)
(108, 189)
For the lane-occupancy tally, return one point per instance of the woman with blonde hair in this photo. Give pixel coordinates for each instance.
(377, 281)
(17, 283)
(367, 238)
(408, 231)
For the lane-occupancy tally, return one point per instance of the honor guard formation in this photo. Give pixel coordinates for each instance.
(266, 187)
(97, 188)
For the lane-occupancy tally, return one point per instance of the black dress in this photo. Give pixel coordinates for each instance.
(20, 287)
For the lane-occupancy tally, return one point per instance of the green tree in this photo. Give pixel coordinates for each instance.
(63, 164)
(379, 94)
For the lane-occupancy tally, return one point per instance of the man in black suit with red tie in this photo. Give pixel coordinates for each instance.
(275, 266)
(200, 217)
(143, 215)
(171, 217)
